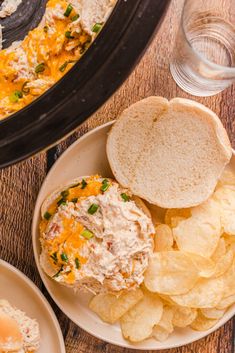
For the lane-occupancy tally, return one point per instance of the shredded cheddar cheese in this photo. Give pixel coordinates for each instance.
(70, 239)
(43, 57)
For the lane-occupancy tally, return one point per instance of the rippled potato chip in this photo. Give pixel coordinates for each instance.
(183, 316)
(201, 323)
(110, 307)
(213, 313)
(163, 239)
(170, 272)
(173, 215)
(225, 196)
(207, 293)
(164, 328)
(201, 232)
(137, 324)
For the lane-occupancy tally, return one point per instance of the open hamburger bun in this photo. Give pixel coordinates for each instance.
(10, 336)
(170, 153)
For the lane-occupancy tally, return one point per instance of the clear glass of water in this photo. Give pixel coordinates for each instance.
(203, 62)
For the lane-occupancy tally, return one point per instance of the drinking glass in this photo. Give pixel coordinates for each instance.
(203, 62)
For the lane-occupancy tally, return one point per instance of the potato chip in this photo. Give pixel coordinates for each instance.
(231, 247)
(163, 329)
(170, 272)
(207, 293)
(176, 213)
(183, 316)
(227, 178)
(228, 239)
(213, 313)
(220, 250)
(205, 266)
(200, 233)
(229, 281)
(201, 323)
(166, 299)
(223, 264)
(166, 319)
(163, 238)
(160, 334)
(225, 196)
(110, 307)
(226, 302)
(137, 324)
(157, 213)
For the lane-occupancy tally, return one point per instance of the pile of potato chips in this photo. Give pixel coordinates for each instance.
(190, 280)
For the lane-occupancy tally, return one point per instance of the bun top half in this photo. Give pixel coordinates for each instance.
(170, 153)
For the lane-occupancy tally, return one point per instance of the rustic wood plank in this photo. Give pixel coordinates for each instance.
(20, 184)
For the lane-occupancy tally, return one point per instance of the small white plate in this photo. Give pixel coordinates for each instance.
(87, 156)
(22, 293)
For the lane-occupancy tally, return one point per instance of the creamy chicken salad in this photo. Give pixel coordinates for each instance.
(95, 237)
(29, 67)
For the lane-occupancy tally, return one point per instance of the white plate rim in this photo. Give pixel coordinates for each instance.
(40, 295)
(201, 334)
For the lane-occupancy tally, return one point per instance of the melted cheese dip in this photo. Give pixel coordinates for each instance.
(28, 68)
(95, 237)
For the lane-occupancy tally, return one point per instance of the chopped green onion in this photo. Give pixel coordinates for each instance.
(58, 273)
(105, 185)
(65, 193)
(61, 202)
(25, 89)
(93, 208)
(87, 234)
(125, 197)
(74, 18)
(54, 257)
(47, 215)
(75, 200)
(68, 35)
(40, 68)
(45, 29)
(65, 64)
(84, 184)
(64, 257)
(68, 10)
(15, 96)
(63, 67)
(77, 263)
(97, 27)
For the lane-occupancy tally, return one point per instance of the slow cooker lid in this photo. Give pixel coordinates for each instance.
(86, 86)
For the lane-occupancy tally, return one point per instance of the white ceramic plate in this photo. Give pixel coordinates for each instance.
(22, 293)
(87, 156)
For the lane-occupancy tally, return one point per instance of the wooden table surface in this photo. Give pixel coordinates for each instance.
(20, 184)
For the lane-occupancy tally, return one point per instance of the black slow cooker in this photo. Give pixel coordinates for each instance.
(101, 70)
